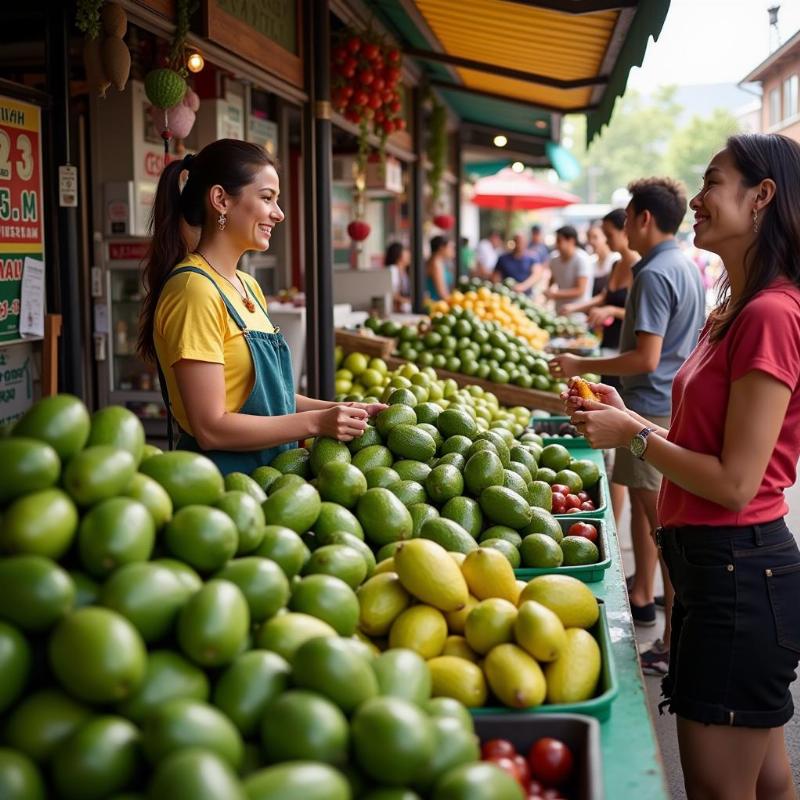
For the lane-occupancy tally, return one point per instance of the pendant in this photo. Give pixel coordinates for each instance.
(249, 304)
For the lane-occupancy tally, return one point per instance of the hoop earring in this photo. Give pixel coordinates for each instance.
(755, 221)
(222, 221)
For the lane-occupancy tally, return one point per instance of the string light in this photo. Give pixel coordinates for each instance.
(195, 62)
(518, 166)
(500, 140)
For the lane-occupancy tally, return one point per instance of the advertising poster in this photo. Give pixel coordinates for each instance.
(21, 223)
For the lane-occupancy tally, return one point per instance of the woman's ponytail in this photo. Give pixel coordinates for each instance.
(167, 248)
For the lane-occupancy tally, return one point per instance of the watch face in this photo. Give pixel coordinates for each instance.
(638, 444)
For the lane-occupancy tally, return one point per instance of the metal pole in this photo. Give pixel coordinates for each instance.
(323, 150)
(63, 253)
(461, 267)
(417, 201)
(308, 204)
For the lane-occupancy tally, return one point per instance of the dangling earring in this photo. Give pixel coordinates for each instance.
(222, 221)
(755, 221)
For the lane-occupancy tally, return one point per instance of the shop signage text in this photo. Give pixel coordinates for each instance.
(21, 224)
(16, 382)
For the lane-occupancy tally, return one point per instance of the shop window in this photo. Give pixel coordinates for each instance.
(774, 106)
(790, 96)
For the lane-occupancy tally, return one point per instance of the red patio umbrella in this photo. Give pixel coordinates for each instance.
(519, 191)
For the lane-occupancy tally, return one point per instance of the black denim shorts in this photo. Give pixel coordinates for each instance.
(735, 640)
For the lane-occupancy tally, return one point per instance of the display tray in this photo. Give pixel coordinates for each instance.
(370, 345)
(572, 346)
(580, 733)
(551, 426)
(598, 706)
(599, 496)
(588, 573)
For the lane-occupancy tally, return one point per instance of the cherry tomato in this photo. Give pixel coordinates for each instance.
(395, 106)
(507, 764)
(370, 51)
(354, 44)
(572, 501)
(584, 496)
(375, 102)
(574, 510)
(393, 56)
(584, 529)
(497, 748)
(536, 786)
(559, 502)
(524, 771)
(551, 761)
(388, 126)
(560, 488)
(393, 74)
(400, 124)
(552, 794)
(360, 98)
(366, 76)
(587, 506)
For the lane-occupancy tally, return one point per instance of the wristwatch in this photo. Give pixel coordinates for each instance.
(638, 445)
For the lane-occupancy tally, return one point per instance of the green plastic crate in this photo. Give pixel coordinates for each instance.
(588, 573)
(598, 706)
(551, 425)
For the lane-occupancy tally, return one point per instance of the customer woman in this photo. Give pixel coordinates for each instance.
(226, 373)
(729, 454)
(604, 256)
(438, 270)
(606, 310)
(396, 260)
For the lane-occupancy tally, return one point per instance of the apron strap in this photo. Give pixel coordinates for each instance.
(171, 421)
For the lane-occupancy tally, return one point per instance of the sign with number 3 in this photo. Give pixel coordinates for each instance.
(21, 223)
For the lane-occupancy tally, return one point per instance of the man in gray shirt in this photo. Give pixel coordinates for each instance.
(664, 314)
(571, 271)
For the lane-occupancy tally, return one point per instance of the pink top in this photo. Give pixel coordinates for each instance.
(765, 337)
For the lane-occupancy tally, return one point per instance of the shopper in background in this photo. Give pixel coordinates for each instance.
(727, 458)
(466, 256)
(517, 265)
(571, 271)
(439, 269)
(488, 252)
(225, 371)
(537, 249)
(603, 256)
(605, 312)
(664, 313)
(397, 260)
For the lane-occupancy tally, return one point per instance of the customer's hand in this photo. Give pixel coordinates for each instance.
(568, 309)
(565, 366)
(597, 317)
(606, 395)
(605, 427)
(341, 422)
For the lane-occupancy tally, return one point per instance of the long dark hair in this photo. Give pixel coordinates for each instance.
(229, 163)
(616, 217)
(774, 253)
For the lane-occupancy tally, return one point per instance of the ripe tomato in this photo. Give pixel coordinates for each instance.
(395, 106)
(497, 748)
(572, 501)
(389, 126)
(375, 102)
(574, 510)
(561, 488)
(360, 98)
(393, 74)
(354, 44)
(370, 51)
(584, 496)
(583, 529)
(393, 56)
(507, 764)
(349, 67)
(551, 761)
(587, 506)
(400, 124)
(366, 76)
(559, 502)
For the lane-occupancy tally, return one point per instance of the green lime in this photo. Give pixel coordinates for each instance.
(540, 550)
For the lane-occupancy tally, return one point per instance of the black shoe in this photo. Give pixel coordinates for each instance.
(659, 600)
(644, 615)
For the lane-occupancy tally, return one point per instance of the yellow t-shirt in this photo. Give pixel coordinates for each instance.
(192, 322)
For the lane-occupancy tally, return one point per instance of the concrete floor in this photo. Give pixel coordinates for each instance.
(665, 724)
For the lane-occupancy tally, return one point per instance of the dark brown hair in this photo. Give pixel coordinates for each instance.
(229, 163)
(776, 251)
(664, 198)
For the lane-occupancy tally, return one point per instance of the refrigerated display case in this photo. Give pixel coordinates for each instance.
(125, 379)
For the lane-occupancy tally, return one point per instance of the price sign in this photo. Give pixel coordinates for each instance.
(21, 223)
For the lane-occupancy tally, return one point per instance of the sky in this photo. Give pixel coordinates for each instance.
(712, 41)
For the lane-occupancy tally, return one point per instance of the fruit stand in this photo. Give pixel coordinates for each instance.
(338, 622)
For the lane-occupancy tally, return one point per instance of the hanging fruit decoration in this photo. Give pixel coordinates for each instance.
(166, 86)
(105, 55)
(444, 221)
(365, 89)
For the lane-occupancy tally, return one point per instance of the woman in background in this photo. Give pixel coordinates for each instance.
(438, 269)
(397, 259)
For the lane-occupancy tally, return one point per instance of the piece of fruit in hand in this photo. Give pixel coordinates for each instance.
(584, 390)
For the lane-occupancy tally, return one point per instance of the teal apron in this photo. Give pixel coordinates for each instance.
(272, 394)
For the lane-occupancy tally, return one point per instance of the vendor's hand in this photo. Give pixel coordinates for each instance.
(342, 422)
(565, 366)
(548, 294)
(568, 309)
(607, 396)
(372, 409)
(597, 317)
(605, 427)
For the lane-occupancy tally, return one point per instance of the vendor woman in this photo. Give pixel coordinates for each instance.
(225, 369)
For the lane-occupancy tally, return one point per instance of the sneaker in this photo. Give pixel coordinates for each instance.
(659, 600)
(644, 615)
(655, 659)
